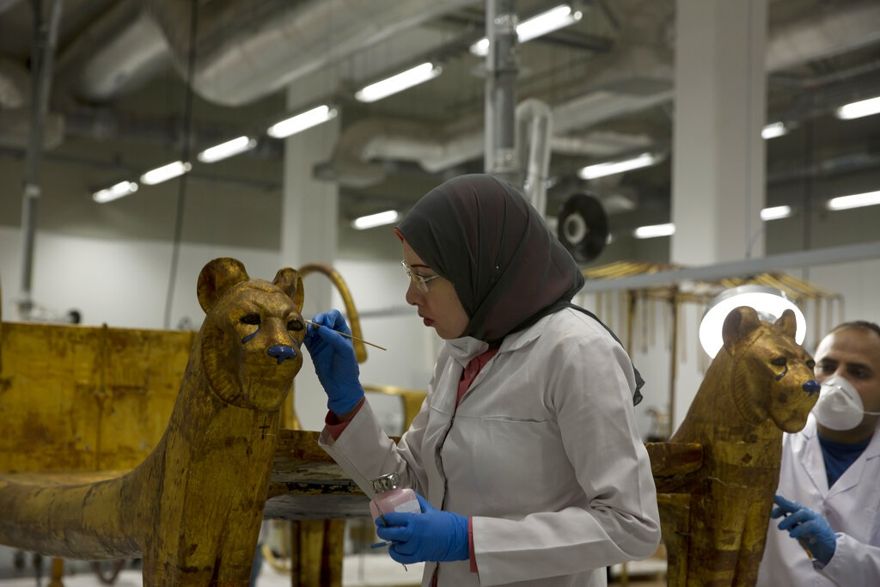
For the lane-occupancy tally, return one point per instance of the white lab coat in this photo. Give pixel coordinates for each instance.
(542, 452)
(852, 508)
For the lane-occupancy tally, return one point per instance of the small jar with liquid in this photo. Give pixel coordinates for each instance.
(390, 497)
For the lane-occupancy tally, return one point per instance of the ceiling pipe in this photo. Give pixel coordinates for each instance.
(619, 84)
(356, 160)
(534, 130)
(833, 32)
(499, 156)
(100, 57)
(7, 4)
(248, 49)
(45, 40)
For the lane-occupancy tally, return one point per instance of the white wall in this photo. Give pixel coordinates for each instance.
(123, 283)
(118, 282)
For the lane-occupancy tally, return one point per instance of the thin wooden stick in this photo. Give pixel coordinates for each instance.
(381, 348)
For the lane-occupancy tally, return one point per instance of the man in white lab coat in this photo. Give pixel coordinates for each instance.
(825, 529)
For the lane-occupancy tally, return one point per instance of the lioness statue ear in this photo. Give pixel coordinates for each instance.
(741, 322)
(289, 281)
(787, 324)
(217, 277)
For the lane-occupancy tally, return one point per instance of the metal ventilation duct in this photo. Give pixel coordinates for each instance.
(248, 49)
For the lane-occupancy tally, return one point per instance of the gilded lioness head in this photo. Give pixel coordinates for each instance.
(772, 374)
(252, 333)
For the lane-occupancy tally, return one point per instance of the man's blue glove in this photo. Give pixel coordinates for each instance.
(334, 361)
(433, 535)
(808, 527)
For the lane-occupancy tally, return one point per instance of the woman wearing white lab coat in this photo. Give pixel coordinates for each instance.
(843, 520)
(525, 449)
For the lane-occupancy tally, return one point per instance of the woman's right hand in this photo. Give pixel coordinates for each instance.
(335, 364)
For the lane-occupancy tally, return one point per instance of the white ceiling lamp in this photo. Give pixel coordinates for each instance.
(164, 173)
(374, 220)
(854, 201)
(228, 149)
(541, 24)
(115, 191)
(775, 213)
(397, 83)
(773, 130)
(859, 109)
(300, 122)
(654, 230)
(613, 167)
(768, 302)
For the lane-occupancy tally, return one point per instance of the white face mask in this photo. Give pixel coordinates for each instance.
(840, 406)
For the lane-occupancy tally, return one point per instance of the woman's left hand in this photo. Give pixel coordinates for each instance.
(433, 535)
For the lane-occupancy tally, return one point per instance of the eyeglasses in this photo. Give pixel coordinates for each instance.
(420, 281)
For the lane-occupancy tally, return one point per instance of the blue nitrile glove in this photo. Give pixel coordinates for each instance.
(433, 535)
(810, 528)
(334, 361)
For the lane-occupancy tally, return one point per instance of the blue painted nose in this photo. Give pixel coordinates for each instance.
(281, 352)
(812, 386)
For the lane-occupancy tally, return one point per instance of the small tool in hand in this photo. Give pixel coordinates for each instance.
(381, 348)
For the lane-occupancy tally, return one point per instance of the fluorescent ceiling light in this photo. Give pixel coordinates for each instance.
(537, 26)
(115, 191)
(768, 302)
(854, 201)
(859, 109)
(374, 220)
(775, 213)
(300, 122)
(654, 230)
(165, 173)
(399, 82)
(481, 47)
(773, 130)
(547, 22)
(613, 167)
(227, 149)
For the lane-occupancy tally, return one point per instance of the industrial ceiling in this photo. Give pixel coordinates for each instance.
(118, 97)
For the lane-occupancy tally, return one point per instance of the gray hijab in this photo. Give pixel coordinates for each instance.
(507, 268)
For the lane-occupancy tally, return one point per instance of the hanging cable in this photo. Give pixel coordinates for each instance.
(185, 153)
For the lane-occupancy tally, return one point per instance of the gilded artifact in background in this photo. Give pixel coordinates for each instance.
(717, 476)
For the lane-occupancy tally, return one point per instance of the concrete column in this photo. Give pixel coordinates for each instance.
(309, 235)
(718, 171)
(720, 108)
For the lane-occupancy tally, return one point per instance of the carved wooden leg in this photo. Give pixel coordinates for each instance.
(675, 527)
(316, 553)
(57, 573)
(752, 549)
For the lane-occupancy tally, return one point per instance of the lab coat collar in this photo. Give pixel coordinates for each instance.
(814, 463)
(808, 455)
(521, 338)
(465, 348)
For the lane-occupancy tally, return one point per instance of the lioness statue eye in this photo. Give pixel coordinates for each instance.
(295, 325)
(250, 319)
(811, 364)
(778, 362)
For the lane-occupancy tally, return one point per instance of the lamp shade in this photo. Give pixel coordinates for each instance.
(768, 302)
